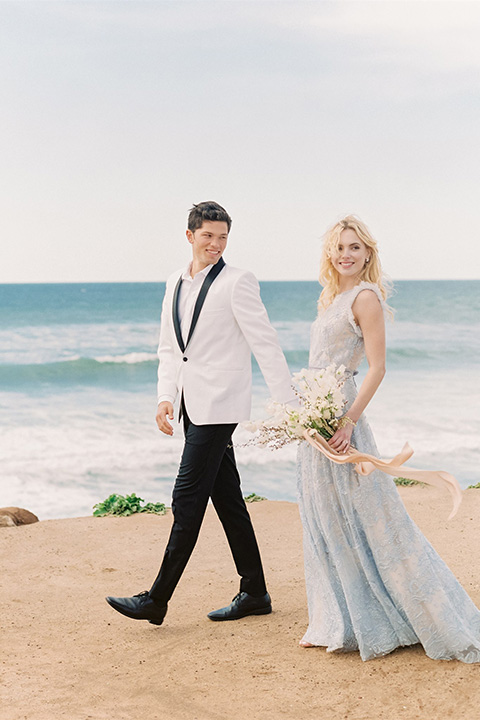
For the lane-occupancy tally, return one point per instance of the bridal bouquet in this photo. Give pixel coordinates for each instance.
(321, 404)
(316, 419)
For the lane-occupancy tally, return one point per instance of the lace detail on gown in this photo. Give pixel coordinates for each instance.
(373, 580)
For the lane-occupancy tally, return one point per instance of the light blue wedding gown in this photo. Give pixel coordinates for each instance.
(373, 581)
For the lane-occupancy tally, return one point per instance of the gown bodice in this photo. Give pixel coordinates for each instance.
(335, 336)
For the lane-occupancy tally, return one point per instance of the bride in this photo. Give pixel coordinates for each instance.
(374, 583)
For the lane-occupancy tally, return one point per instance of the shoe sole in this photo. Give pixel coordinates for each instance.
(260, 611)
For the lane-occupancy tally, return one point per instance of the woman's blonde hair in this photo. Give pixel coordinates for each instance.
(372, 271)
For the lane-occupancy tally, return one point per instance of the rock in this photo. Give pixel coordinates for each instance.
(10, 516)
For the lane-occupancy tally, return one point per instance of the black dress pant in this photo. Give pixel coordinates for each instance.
(208, 469)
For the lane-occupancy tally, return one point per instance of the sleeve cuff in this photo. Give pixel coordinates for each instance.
(165, 398)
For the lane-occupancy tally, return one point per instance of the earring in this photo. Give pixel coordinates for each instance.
(367, 260)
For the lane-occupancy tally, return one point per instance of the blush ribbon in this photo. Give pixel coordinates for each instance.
(365, 464)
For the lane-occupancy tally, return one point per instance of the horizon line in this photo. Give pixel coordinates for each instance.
(156, 282)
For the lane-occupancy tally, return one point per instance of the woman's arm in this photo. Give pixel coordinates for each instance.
(368, 313)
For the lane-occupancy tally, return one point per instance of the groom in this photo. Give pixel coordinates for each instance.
(212, 320)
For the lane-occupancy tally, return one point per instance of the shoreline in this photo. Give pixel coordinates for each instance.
(402, 488)
(68, 655)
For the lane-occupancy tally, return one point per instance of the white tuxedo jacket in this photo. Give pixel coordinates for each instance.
(214, 372)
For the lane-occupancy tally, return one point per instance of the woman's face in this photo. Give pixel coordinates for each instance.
(350, 256)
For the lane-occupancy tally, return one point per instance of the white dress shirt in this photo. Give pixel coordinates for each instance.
(189, 290)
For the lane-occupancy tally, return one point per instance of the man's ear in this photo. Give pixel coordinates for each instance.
(189, 235)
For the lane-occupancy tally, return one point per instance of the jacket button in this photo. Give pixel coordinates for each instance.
(185, 359)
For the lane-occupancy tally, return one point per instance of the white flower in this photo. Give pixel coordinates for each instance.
(321, 399)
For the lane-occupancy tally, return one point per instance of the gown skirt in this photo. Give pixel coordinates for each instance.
(374, 582)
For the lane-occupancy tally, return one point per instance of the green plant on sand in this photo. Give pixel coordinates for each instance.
(121, 505)
(474, 487)
(253, 497)
(406, 481)
(129, 505)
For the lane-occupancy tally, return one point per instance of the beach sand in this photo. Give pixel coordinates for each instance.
(67, 654)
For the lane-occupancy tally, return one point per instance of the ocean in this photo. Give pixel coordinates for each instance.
(78, 390)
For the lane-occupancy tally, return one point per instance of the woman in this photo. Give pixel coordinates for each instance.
(374, 583)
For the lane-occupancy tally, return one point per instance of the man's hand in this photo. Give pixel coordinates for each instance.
(164, 410)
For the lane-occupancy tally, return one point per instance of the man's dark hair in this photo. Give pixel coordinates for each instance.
(207, 211)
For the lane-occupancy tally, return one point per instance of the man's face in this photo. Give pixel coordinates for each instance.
(208, 243)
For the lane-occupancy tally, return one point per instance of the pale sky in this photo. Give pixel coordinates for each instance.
(116, 116)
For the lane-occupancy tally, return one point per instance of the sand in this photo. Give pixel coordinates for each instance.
(67, 654)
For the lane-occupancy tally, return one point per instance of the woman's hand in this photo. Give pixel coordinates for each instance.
(341, 440)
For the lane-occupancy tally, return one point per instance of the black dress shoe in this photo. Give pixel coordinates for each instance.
(139, 607)
(242, 605)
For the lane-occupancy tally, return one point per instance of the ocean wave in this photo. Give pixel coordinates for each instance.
(81, 370)
(408, 352)
(251, 455)
(129, 359)
(439, 355)
(131, 370)
(52, 343)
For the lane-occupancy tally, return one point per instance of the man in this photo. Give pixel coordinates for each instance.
(212, 320)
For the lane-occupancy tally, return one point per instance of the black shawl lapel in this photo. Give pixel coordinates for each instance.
(176, 319)
(216, 270)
